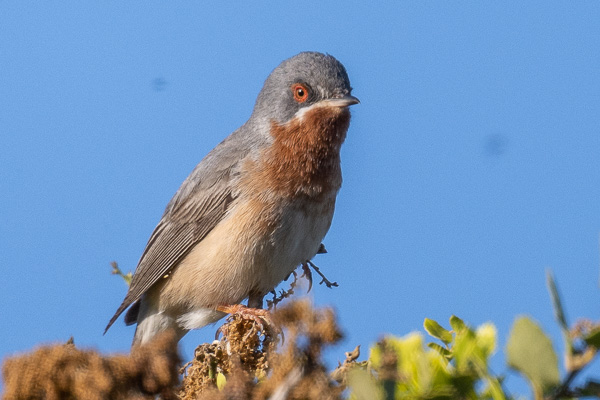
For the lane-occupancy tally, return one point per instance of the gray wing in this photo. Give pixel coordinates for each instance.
(197, 207)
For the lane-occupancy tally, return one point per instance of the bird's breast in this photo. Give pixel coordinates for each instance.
(284, 205)
(287, 195)
(304, 157)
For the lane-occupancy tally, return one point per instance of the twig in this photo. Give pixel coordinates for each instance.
(284, 294)
(117, 271)
(293, 377)
(563, 390)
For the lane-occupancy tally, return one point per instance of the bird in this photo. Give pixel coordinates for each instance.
(255, 208)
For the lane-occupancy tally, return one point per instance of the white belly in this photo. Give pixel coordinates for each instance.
(249, 251)
(295, 241)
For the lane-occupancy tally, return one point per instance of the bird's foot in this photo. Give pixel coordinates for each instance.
(261, 318)
(306, 273)
(306, 268)
(258, 315)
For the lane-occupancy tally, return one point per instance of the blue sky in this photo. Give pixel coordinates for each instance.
(470, 167)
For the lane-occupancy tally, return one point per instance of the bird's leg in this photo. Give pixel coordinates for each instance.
(326, 281)
(254, 311)
(255, 300)
(262, 318)
(306, 273)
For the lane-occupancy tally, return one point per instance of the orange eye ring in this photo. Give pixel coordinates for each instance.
(300, 92)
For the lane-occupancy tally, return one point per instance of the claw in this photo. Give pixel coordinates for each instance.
(262, 318)
(306, 273)
(223, 330)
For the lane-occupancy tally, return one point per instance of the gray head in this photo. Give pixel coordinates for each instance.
(300, 82)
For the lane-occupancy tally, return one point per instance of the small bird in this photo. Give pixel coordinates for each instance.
(255, 208)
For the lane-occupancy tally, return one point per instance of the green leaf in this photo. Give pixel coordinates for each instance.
(530, 351)
(117, 271)
(437, 331)
(485, 335)
(559, 312)
(363, 386)
(493, 389)
(221, 381)
(593, 338)
(441, 350)
(465, 351)
(457, 324)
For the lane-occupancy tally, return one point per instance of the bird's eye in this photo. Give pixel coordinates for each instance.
(300, 92)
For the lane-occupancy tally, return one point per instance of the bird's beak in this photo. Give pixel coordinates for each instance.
(343, 101)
